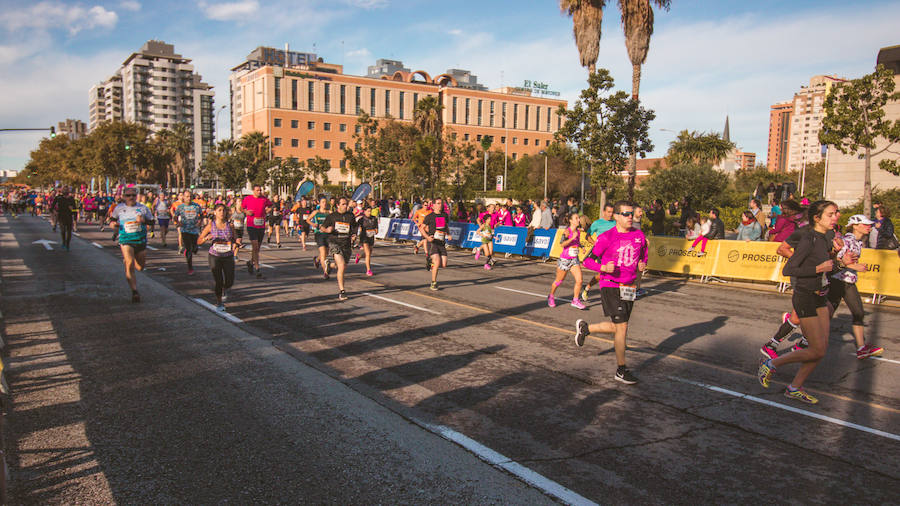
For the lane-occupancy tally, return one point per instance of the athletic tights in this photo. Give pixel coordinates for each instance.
(223, 273)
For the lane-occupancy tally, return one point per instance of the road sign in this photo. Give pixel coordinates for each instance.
(46, 243)
(499, 183)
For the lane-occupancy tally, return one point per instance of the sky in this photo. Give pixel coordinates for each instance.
(707, 58)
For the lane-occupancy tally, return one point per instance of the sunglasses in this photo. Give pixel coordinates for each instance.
(131, 194)
(627, 213)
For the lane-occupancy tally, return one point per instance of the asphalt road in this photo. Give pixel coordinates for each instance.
(171, 385)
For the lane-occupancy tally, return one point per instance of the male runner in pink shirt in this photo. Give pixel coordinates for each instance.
(619, 255)
(255, 207)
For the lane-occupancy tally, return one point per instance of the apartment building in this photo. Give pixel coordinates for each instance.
(106, 101)
(780, 116)
(806, 121)
(159, 89)
(73, 128)
(311, 110)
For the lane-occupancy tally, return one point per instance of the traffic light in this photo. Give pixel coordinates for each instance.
(52, 132)
(127, 146)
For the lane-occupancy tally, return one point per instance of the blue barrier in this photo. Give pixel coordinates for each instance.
(465, 235)
(541, 244)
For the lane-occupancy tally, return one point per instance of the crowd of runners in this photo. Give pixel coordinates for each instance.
(823, 264)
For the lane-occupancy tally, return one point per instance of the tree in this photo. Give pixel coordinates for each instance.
(705, 186)
(698, 148)
(855, 121)
(256, 145)
(317, 168)
(228, 162)
(606, 127)
(587, 19)
(181, 142)
(429, 149)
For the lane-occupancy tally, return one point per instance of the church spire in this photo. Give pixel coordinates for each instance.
(726, 134)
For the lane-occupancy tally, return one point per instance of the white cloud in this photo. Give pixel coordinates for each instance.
(455, 31)
(49, 15)
(367, 4)
(360, 54)
(231, 11)
(130, 5)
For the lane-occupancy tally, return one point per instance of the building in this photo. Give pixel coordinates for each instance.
(73, 128)
(804, 147)
(845, 174)
(736, 159)
(780, 115)
(158, 89)
(310, 111)
(745, 160)
(384, 68)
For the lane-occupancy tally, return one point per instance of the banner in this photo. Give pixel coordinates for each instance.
(541, 244)
(754, 260)
(671, 254)
(384, 226)
(883, 276)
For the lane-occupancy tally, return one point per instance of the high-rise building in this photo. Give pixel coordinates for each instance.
(806, 121)
(73, 128)
(780, 115)
(159, 89)
(311, 110)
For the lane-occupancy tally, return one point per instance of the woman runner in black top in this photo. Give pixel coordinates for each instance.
(341, 228)
(368, 227)
(435, 229)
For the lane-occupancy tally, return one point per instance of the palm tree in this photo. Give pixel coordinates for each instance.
(257, 144)
(427, 117)
(587, 17)
(699, 148)
(181, 142)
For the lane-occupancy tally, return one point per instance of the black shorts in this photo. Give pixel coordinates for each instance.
(342, 249)
(367, 240)
(304, 226)
(274, 221)
(238, 232)
(256, 234)
(618, 310)
(436, 248)
(836, 289)
(806, 302)
(136, 247)
(322, 240)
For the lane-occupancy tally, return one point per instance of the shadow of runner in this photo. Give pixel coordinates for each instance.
(419, 371)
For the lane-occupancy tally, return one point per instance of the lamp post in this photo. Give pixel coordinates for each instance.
(542, 152)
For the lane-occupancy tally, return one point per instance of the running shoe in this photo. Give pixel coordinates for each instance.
(416, 249)
(581, 332)
(224, 296)
(765, 372)
(369, 273)
(181, 251)
(491, 261)
(584, 294)
(506, 256)
(342, 295)
(786, 318)
(551, 301)
(769, 350)
(868, 350)
(477, 254)
(220, 307)
(152, 235)
(249, 267)
(625, 376)
(190, 272)
(135, 296)
(802, 344)
(701, 254)
(259, 274)
(800, 395)
(357, 259)
(487, 267)
(578, 304)
(317, 263)
(434, 286)
(278, 244)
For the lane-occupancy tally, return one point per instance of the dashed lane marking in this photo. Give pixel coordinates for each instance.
(223, 314)
(267, 266)
(151, 248)
(97, 245)
(529, 293)
(400, 303)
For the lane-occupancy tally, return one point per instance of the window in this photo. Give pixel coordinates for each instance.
(310, 125)
(293, 94)
(453, 135)
(342, 146)
(537, 119)
(548, 119)
(327, 97)
(527, 108)
(342, 127)
(294, 123)
(401, 104)
(326, 127)
(357, 129)
(547, 143)
(343, 99)
(310, 90)
(503, 140)
(503, 117)
(387, 102)
(478, 137)
(310, 143)
(326, 144)
(515, 122)
(465, 137)
(492, 113)
(415, 100)
(372, 102)
(525, 141)
(277, 92)
(343, 164)
(295, 143)
(278, 141)
(515, 156)
(515, 140)
(479, 113)
(467, 111)
(454, 111)
(277, 122)
(357, 101)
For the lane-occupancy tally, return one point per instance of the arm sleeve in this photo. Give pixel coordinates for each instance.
(644, 251)
(793, 266)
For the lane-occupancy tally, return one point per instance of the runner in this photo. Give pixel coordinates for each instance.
(273, 216)
(303, 211)
(255, 207)
(808, 267)
(341, 228)
(221, 252)
(103, 205)
(189, 218)
(618, 254)
(435, 229)
(486, 232)
(418, 216)
(64, 209)
(238, 218)
(132, 219)
(599, 226)
(568, 261)
(315, 221)
(368, 227)
(161, 208)
(50, 201)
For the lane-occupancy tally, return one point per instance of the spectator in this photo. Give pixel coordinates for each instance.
(462, 215)
(885, 227)
(791, 219)
(504, 216)
(637, 218)
(770, 193)
(546, 216)
(693, 229)
(749, 229)
(775, 213)
(759, 191)
(673, 208)
(604, 223)
(657, 218)
(686, 212)
(716, 227)
(700, 231)
(572, 207)
(758, 214)
(520, 219)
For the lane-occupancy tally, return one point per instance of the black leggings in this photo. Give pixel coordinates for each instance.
(65, 231)
(223, 273)
(189, 241)
(850, 294)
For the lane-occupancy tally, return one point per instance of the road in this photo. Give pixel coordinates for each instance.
(484, 358)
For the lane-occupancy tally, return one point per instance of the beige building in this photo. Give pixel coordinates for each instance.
(804, 147)
(157, 87)
(845, 174)
(73, 128)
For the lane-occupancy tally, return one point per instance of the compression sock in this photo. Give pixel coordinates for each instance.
(783, 331)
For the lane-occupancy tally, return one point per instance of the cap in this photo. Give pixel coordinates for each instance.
(859, 219)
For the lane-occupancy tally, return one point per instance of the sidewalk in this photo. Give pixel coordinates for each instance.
(165, 402)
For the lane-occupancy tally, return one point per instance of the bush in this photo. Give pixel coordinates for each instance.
(890, 199)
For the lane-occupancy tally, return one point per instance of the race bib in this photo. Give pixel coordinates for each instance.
(342, 228)
(573, 251)
(305, 217)
(190, 214)
(486, 234)
(258, 222)
(238, 223)
(627, 292)
(221, 247)
(132, 227)
(439, 235)
(371, 232)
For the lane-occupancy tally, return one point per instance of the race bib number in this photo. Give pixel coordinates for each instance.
(238, 223)
(439, 235)
(342, 228)
(573, 251)
(486, 234)
(627, 292)
(371, 232)
(258, 222)
(132, 227)
(305, 217)
(221, 247)
(190, 214)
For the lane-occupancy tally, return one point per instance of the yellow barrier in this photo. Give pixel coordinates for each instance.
(588, 243)
(671, 254)
(883, 276)
(754, 260)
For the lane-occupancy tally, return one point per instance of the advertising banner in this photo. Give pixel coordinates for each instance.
(883, 276)
(754, 260)
(671, 254)
(509, 240)
(541, 244)
(471, 239)
(384, 226)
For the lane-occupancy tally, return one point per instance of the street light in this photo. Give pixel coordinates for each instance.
(217, 117)
(542, 152)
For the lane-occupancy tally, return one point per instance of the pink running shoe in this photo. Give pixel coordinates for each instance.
(357, 259)
(551, 301)
(369, 273)
(487, 267)
(768, 351)
(869, 351)
(477, 254)
(578, 304)
(785, 318)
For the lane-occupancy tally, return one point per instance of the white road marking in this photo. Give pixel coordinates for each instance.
(46, 243)
(151, 248)
(76, 234)
(882, 359)
(495, 459)
(223, 314)
(266, 246)
(400, 303)
(378, 264)
(97, 245)
(792, 409)
(665, 291)
(267, 266)
(530, 293)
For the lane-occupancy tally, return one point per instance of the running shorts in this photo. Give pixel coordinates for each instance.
(435, 248)
(305, 227)
(565, 264)
(618, 310)
(137, 247)
(340, 249)
(274, 221)
(836, 289)
(239, 233)
(256, 234)
(367, 240)
(322, 240)
(806, 303)
(163, 222)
